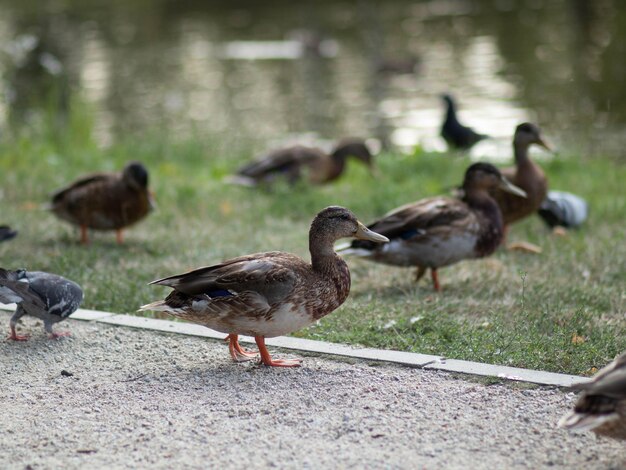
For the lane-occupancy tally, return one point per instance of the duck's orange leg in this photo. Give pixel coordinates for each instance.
(119, 236)
(84, 237)
(419, 273)
(435, 277)
(238, 353)
(267, 359)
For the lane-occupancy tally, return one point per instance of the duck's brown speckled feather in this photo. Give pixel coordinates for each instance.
(273, 293)
(530, 177)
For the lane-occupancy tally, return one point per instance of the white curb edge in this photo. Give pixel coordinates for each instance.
(424, 361)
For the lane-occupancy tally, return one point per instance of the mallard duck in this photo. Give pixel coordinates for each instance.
(105, 201)
(290, 162)
(268, 294)
(601, 406)
(50, 297)
(440, 231)
(6, 233)
(526, 175)
(456, 135)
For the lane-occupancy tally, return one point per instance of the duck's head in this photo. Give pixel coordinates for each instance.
(527, 134)
(448, 100)
(135, 175)
(484, 177)
(337, 222)
(356, 148)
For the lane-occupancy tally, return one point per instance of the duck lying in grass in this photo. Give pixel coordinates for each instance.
(601, 407)
(268, 294)
(291, 162)
(47, 296)
(441, 231)
(105, 201)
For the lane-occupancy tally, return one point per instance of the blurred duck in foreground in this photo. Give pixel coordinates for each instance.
(268, 294)
(601, 406)
(291, 162)
(46, 296)
(105, 201)
(456, 135)
(6, 233)
(441, 231)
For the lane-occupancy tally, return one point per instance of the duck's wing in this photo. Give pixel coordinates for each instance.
(14, 290)
(421, 216)
(94, 178)
(271, 275)
(609, 381)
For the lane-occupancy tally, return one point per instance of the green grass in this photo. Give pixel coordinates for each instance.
(514, 309)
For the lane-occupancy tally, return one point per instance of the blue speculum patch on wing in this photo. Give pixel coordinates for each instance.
(409, 234)
(219, 293)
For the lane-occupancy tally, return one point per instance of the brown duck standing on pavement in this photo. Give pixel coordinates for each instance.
(105, 201)
(441, 231)
(290, 162)
(268, 294)
(456, 135)
(601, 406)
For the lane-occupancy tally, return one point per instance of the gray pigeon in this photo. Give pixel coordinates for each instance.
(43, 295)
(601, 407)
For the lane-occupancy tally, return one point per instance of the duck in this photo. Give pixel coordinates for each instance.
(563, 209)
(289, 162)
(440, 231)
(105, 201)
(456, 135)
(601, 407)
(49, 297)
(7, 233)
(268, 294)
(526, 174)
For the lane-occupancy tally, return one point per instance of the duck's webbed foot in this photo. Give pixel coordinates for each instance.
(267, 360)
(238, 353)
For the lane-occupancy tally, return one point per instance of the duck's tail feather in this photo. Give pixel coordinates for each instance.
(361, 248)
(585, 421)
(241, 180)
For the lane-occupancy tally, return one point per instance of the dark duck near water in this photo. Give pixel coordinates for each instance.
(268, 294)
(105, 201)
(291, 162)
(601, 406)
(47, 296)
(456, 135)
(440, 231)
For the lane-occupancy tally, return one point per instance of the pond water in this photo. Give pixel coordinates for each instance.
(273, 70)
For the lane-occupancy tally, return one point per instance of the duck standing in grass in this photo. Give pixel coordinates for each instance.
(601, 407)
(456, 135)
(290, 163)
(47, 296)
(105, 201)
(526, 175)
(441, 231)
(268, 294)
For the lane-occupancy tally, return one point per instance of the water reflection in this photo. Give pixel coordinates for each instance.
(267, 70)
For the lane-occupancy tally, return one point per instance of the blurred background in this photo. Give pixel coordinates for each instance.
(264, 71)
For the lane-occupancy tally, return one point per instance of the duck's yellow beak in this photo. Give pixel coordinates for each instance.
(363, 233)
(506, 185)
(543, 144)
